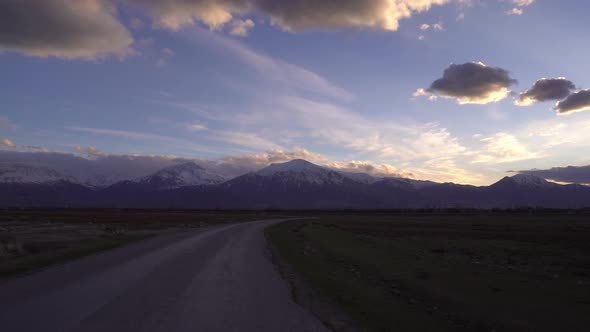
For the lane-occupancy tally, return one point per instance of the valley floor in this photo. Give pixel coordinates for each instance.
(454, 272)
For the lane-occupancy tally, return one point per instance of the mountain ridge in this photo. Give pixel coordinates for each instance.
(294, 184)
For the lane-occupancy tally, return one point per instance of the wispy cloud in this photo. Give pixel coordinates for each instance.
(179, 143)
(276, 71)
(503, 148)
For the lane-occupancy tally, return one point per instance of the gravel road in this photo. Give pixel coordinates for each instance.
(218, 279)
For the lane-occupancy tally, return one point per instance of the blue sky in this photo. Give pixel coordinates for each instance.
(182, 78)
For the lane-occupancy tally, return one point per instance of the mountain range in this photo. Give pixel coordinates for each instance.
(294, 184)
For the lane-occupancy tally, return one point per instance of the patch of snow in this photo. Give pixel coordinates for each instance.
(22, 173)
(182, 175)
(300, 170)
(530, 180)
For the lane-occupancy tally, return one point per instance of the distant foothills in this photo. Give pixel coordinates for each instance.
(294, 184)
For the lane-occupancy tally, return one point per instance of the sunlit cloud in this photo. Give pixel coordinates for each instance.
(519, 6)
(371, 168)
(196, 127)
(7, 143)
(503, 148)
(289, 15)
(240, 27)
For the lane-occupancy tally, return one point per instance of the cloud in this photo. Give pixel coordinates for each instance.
(277, 72)
(92, 29)
(569, 174)
(7, 143)
(21, 148)
(546, 89)
(241, 28)
(374, 169)
(249, 140)
(235, 165)
(576, 102)
(518, 6)
(436, 26)
(167, 54)
(523, 3)
(177, 143)
(515, 11)
(90, 151)
(445, 169)
(287, 14)
(82, 29)
(196, 127)
(503, 148)
(471, 83)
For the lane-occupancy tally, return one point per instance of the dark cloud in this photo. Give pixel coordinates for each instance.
(89, 29)
(472, 83)
(570, 174)
(288, 14)
(546, 89)
(576, 102)
(62, 28)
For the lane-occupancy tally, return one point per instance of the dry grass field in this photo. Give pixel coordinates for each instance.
(36, 238)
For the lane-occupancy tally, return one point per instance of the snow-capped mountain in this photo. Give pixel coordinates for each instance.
(22, 173)
(301, 171)
(525, 180)
(531, 180)
(361, 177)
(406, 183)
(181, 175)
(296, 184)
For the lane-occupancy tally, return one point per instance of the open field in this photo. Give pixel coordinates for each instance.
(33, 239)
(473, 271)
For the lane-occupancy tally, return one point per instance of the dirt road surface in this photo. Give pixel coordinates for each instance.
(218, 279)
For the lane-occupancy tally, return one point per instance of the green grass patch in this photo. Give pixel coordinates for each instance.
(400, 275)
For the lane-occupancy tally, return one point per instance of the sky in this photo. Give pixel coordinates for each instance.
(446, 90)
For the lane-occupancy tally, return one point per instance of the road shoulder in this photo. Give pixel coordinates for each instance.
(304, 294)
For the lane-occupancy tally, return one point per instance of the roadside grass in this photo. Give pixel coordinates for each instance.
(434, 273)
(32, 239)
